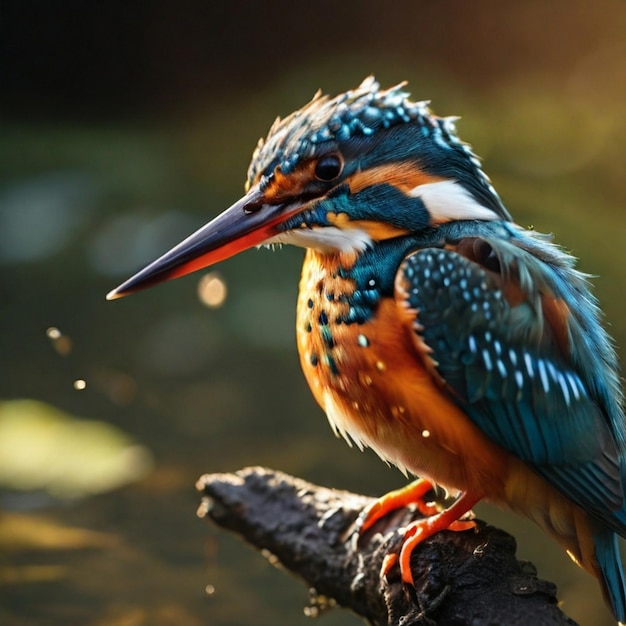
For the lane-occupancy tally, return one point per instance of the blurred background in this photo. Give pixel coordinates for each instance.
(126, 125)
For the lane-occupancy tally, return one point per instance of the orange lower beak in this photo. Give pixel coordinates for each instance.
(247, 223)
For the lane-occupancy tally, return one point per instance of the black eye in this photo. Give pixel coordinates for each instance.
(328, 167)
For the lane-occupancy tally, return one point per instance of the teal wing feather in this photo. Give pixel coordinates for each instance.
(542, 384)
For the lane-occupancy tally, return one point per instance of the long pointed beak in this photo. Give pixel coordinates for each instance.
(247, 223)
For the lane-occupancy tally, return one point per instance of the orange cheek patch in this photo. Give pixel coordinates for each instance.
(376, 230)
(404, 176)
(291, 185)
(379, 230)
(340, 220)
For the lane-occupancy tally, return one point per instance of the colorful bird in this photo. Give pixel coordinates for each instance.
(431, 328)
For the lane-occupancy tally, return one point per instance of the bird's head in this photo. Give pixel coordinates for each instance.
(339, 175)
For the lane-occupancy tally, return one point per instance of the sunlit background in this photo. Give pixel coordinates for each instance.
(123, 127)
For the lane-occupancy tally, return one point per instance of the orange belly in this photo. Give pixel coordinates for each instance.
(376, 390)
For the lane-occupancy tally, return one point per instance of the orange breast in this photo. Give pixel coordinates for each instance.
(376, 390)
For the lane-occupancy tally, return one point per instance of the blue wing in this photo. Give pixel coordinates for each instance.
(537, 378)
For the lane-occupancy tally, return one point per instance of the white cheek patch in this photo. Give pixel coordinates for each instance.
(325, 239)
(447, 201)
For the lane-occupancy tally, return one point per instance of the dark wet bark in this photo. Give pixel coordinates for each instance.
(462, 578)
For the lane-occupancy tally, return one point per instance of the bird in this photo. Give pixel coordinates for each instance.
(462, 348)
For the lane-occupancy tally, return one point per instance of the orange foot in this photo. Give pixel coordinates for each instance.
(419, 530)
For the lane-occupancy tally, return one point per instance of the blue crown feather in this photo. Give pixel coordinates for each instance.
(360, 114)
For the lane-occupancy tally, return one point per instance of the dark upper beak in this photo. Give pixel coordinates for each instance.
(247, 223)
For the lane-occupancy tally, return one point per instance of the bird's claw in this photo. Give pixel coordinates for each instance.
(411, 495)
(453, 518)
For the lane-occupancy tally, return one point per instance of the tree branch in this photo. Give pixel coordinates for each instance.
(462, 578)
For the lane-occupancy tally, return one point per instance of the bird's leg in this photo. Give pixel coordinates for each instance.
(413, 493)
(419, 530)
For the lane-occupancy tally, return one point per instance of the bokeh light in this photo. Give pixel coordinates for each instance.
(212, 290)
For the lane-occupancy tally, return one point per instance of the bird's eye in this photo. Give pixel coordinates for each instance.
(328, 167)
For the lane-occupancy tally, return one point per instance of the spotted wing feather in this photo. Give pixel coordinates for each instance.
(498, 357)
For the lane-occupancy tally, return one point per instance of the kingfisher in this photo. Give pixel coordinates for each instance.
(462, 348)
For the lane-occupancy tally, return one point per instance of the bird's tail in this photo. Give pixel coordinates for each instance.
(611, 572)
